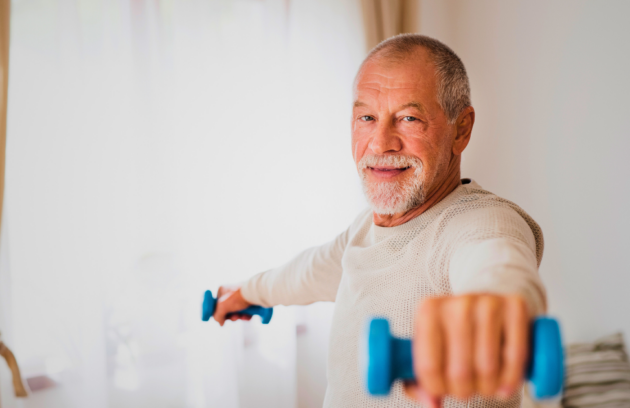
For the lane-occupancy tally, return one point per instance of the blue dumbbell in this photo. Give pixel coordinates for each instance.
(389, 358)
(210, 303)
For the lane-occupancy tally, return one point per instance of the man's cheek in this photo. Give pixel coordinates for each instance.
(357, 152)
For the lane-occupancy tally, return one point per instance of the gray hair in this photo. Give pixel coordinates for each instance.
(453, 86)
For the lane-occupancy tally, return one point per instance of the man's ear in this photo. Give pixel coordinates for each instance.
(463, 129)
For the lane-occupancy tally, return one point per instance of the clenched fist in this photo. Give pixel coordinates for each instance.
(230, 301)
(470, 344)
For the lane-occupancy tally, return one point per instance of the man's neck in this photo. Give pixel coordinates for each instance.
(446, 187)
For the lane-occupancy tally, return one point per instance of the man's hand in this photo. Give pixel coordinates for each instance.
(471, 344)
(230, 301)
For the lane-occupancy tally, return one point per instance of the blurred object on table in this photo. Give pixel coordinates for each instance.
(597, 374)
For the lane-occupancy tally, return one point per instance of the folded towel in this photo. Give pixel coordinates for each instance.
(597, 374)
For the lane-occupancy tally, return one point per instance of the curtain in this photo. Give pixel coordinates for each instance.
(386, 18)
(157, 149)
(13, 387)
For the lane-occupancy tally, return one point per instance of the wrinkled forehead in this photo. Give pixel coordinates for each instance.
(382, 74)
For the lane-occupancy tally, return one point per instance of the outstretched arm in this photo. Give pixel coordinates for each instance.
(475, 341)
(310, 277)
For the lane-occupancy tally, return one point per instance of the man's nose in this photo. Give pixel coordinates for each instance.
(385, 139)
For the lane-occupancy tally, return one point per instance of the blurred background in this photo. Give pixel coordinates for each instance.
(159, 148)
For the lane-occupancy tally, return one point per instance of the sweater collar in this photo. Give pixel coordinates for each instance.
(424, 219)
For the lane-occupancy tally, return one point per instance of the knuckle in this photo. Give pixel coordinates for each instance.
(457, 313)
(464, 301)
(517, 303)
(461, 306)
(489, 302)
(459, 375)
(488, 370)
(515, 355)
(429, 368)
(429, 306)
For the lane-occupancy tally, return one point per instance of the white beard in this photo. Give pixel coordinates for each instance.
(389, 198)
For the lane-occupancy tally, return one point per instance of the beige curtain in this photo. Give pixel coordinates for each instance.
(386, 18)
(5, 9)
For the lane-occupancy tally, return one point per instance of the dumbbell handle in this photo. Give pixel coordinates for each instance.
(210, 302)
(390, 358)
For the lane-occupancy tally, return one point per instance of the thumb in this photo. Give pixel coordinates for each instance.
(229, 303)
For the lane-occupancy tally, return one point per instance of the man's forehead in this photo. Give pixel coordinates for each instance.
(406, 92)
(410, 75)
(393, 73)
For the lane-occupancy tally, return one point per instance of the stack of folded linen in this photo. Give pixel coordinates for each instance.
(597, 374)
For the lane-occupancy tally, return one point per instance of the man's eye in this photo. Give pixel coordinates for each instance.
(366, 118)
(409, 119)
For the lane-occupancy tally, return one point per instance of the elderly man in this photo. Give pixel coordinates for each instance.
(448, 262)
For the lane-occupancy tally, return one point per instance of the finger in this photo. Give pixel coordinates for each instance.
(417, 393)
(428, 349)
(515, 350)
(220, 291)
(218, 315)
(222, 310)
(411, 390)
(238, 316)
(487, 355)
(458, 330)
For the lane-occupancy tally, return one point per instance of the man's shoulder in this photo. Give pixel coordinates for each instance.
(476, 211)
(472, 198)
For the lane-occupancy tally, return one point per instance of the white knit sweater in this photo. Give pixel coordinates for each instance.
(471, 241)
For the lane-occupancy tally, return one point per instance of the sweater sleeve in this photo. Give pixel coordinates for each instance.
(498, 256)
(310, 277)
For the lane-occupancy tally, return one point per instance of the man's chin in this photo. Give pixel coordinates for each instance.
(389, 206)
(388, 199)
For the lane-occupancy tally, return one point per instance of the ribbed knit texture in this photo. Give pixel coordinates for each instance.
(472, 241)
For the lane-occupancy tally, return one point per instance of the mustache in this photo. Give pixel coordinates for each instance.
(393, 160)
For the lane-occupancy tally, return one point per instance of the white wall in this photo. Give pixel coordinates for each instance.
(551, 89)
